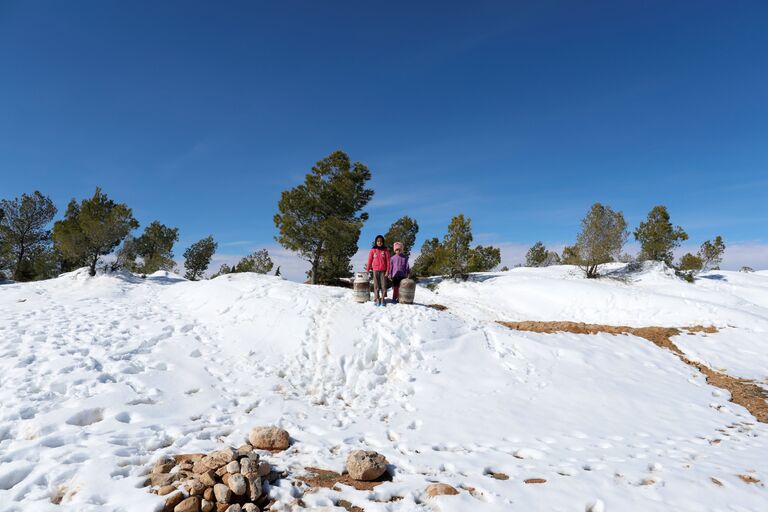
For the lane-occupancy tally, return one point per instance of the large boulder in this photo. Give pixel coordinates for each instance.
(269, 438)
(366, 465)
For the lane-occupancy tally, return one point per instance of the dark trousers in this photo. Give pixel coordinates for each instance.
(396, 287)
(379, 285)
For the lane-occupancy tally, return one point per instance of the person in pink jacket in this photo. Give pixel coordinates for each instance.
(378, 261)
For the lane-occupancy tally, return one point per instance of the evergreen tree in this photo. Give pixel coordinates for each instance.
(403, 230)
(23, 231)
(258, 262)
(483, 259)
(536, 255)
(454, 253)
(197, 258)
(603, 234)
(658, 237)
(127, 255)
(224, 269)
(425, 264)
(711, 253)
(155, 248)
(570, 255)
(92, 229)
(690, 262)
(321, 219)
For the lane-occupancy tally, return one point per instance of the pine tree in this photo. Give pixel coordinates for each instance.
(603, 234)
(711, 253)
(454, 253)
(23, 231)
(658, 237)
(224, 269)
(690, 262)
(483, 259)
(403, 230)
(321, 219)
(197, 258)
(570, 255)
(258, 262)
(425, 264)
(536, 255)
(92, 229)
(155, 248)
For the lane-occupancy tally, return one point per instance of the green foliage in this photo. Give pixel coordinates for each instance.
(321, 219)
(258, 262)
(690, 262)
(155, 248)
(536, 255)
(197, 258)
(711, 253)
(603, 234)
(504, 269)
(746, 269)
(23, 234)
(483, 259)
(570, 255)
(425, 264)
(223, 270)
(403, 230)
(92, 229)
(658, 237)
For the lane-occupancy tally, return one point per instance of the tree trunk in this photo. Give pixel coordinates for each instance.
(95, 260)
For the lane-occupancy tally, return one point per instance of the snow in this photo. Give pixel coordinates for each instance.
(100, 376)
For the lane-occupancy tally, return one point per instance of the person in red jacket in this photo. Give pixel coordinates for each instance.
(378, 261)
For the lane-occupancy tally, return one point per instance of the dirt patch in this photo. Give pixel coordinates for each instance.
(535, 481)
(743, 392)
(348, 506)
(499, 476)
(749, 479)
(716, 482)
(438, 307)
(328, 479)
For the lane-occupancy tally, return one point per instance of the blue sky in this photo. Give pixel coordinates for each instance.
(517, 114)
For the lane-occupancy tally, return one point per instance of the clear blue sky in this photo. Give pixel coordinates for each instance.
(518, 114)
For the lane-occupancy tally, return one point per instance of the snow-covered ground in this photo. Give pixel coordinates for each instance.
(101, 376)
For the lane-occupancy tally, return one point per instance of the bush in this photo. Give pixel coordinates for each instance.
(603, 234)
(658, 237)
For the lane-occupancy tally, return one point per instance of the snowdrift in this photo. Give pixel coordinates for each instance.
(101, 376)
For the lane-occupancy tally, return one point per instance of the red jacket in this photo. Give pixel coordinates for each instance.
(378, 260)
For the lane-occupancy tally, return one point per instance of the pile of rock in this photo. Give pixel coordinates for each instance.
(227, 480)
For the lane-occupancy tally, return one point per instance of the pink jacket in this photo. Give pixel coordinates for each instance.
(378, 260)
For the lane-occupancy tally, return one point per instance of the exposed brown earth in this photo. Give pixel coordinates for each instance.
(328, 479)
(743, 392)
(438, 307)
(749, 479)
(535, 481)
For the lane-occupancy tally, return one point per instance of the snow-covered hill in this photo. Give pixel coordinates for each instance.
(101, 376)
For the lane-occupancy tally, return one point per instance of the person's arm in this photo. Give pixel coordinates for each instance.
(389, 266)
(370, 261)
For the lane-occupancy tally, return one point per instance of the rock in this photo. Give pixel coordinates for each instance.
(237, 484)
(208, 493)
(366, 465)
(440, 490)
(188, 457)
(233, 467)
(219, 458)
(172, 500)
(264, 468)
(225, 478)
(244, 450)
(222, 507)
(163, 466)
(223, 493)
(250, 507)
(254, 486)
(206, 506)
(191, 504)
(234, 508)
(195, 487)
(269, 438)
(246, 466)
(166, 489)
(200, 467)
(221, 471)
(208, 478)
(162, 479)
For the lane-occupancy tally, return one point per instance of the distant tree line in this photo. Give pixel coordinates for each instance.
(604, 233)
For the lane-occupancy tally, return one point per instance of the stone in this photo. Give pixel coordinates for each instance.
(225, 478)
(162, 479)
(234, 508)
(264, 468)
(254, 486)
(269, 438)
(172, 500)
(200, 467)
(246, 466)
(223, 493)
(237, 484)
(208, 493)
(233, 467)
(219, 458)
(206, 506)
(366, 465)
(250, 507)
(440, 490)
(244, 450)
(208, 478)
(191, 504)
(166, 489)
(195, 487)
(274, 476)
(163, 466)
(221, 471)
(222, 507)
(188, 457)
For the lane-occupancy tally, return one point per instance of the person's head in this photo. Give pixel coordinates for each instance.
(398, 248)
(379, 242)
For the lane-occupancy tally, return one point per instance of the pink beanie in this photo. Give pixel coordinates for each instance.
(398, 244)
